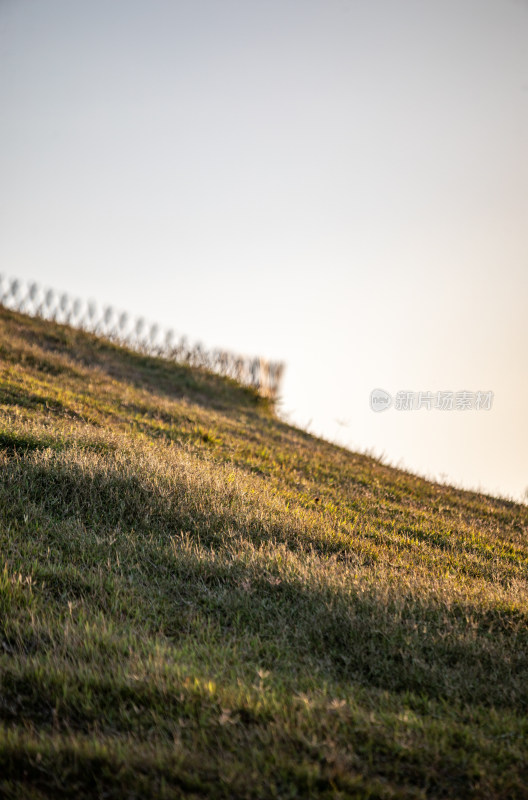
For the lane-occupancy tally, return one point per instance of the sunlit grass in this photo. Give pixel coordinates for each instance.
(199, 600)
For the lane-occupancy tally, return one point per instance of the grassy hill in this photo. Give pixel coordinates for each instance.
(199, 600)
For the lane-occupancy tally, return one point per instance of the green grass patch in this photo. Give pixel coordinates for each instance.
(198, 600)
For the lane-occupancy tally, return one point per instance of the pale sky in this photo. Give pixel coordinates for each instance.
(339, 184)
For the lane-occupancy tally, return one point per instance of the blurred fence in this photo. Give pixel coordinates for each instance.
(138, 334)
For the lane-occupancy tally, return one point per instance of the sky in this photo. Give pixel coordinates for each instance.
(338, 184)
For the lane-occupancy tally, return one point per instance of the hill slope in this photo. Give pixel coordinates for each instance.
(199, 600)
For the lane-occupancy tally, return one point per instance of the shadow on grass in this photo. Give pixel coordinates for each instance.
(157, 375)
(373, 636)
(401, 645)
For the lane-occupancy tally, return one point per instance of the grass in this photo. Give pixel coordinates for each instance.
(199, 600)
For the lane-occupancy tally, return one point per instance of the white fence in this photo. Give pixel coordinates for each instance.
(138, 334)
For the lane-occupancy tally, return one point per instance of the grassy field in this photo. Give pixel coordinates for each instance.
(199, 600)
